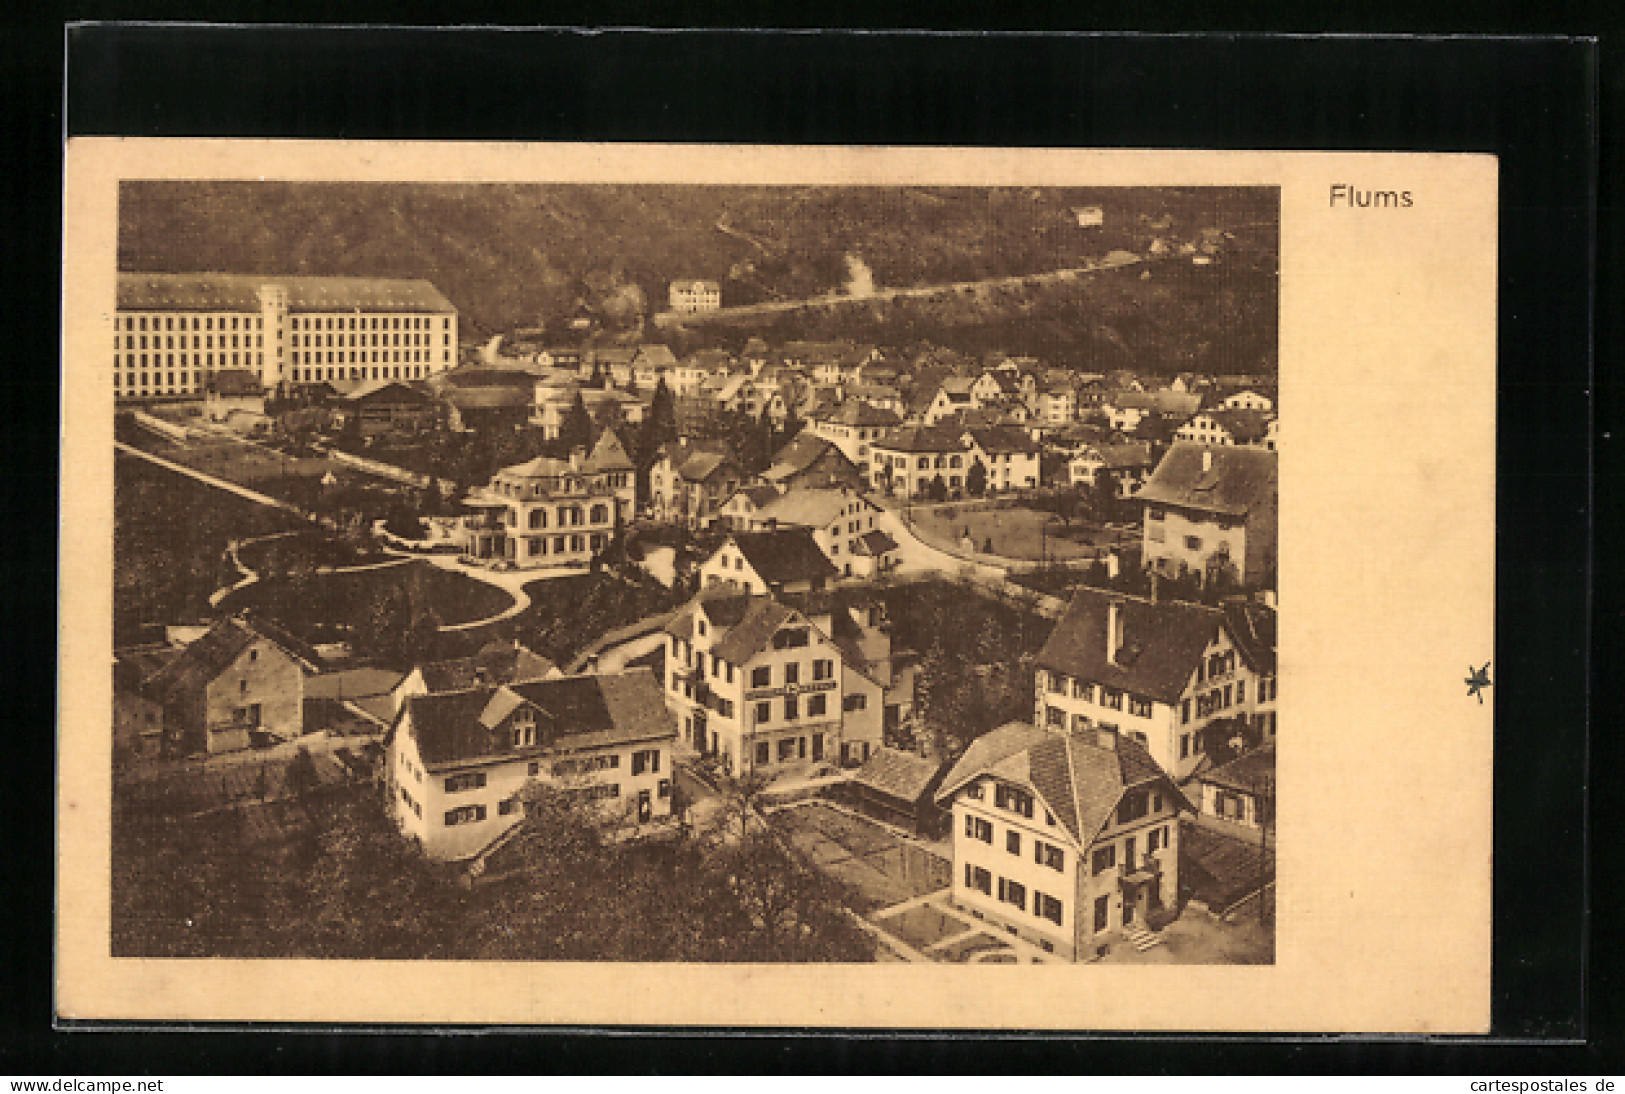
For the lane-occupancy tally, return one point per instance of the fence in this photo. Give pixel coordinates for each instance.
(169, 430)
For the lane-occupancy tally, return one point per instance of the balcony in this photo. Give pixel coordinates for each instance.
(1133, 874)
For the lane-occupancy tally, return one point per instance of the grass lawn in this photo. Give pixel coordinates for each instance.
(341, 598)
(314, 546)
(169, 538)
(1016, 533)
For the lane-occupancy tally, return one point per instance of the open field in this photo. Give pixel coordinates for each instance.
(1026, 534)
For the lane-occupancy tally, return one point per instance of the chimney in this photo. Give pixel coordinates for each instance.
(1207, 459)
(1155, 577)
(1106, 737)
(1114, 628)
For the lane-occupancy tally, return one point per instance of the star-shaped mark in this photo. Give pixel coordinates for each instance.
(1478, 680)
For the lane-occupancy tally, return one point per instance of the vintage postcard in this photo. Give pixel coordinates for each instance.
(777, 586)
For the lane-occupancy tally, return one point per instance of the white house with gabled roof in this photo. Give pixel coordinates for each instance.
(1063, 839)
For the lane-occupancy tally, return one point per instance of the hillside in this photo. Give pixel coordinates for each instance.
(518, 255)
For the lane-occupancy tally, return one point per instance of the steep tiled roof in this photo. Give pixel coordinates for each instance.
(750, 622)
(488, 398)
(812, 507)
(857, 413)
(582, 711)
(1119, 457)
(899, 774)
(1079, 779)
(1251, 772)
(1240, 477)
(495, 663)
(207, 657)
(784, 555)
(240, 292)
(1246, 426)
(352, 683)
(1004, 439)
(801, 453)
(1177, 403)
(922, 438)
(1252, 629)
(1162, 643)
(386, 391)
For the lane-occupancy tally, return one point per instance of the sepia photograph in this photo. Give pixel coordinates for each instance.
(695, 573)
(774, 586)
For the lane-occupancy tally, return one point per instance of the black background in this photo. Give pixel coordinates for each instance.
(1535, 103)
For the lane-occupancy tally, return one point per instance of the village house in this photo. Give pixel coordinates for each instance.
(1010, 454)
(841, 521)
(691, 296)
(614, 362)
(1157, 672)
(1128, 464)
(784, 560)
(549, 512)
(881, 396)
(811, 461)
(907, 459)
(652, 363)
(233, 391)
(1063, 839)
(953, 394)
(489, 407)
(497, 662)
(690, 481)
(457, 762)
(1124, 408)
(1249, 399)
(242, 679)
(1054, 405)
(1225, 427)
(739, 511)
(384, 406)
(1241, 791)
(850, 426)
(1211, 510)
(754, 682)
(877, 678)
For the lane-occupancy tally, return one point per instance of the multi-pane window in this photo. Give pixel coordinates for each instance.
(1138, 706)
(787, 749)
(1047, 907)
(815, 706)
(978, 879)
(1012, 842)
(647, 759)
(1047, 854)
(792, 708)
(1013, 892)
(1111, 698)
(977, 828)
(1134, 805)
(761, 677)
(823, 669)
(1081, 690)
(1103, 859)
(465, 814)
(792, 673)
(470, 780)
(1016, 801)
(762, 755)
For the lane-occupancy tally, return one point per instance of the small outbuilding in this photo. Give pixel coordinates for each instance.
(898, 787)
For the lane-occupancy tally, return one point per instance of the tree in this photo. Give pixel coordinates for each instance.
(598, 380)
(576, 429)
(976, 478)
(610, 418)
(659, 427)
(937, 489)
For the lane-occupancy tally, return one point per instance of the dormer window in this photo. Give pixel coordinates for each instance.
(524, 727)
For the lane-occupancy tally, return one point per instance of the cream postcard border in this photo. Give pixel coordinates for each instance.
(1387, 394)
